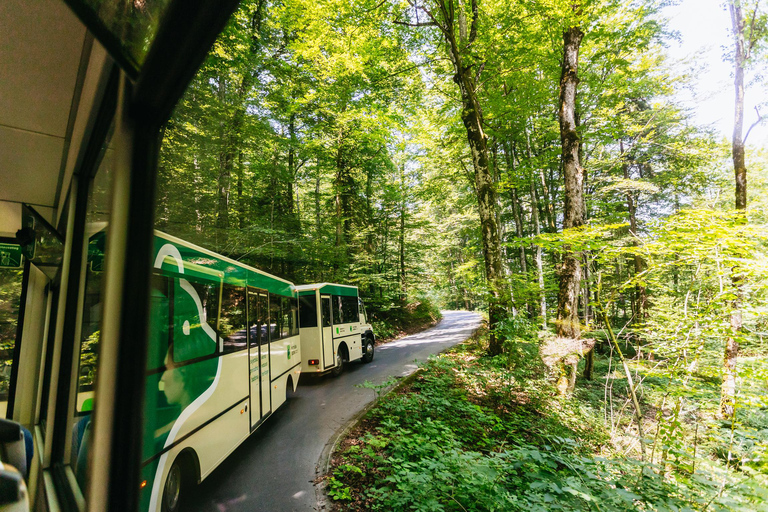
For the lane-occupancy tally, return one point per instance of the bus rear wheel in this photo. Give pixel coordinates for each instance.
(339, 364)
(174, 484)
(367, 350)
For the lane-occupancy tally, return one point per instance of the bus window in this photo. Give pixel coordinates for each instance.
(362, 312)
(97, 220)
(233, 318)
(10, 296)
(159, 321)
(349, 309)
(326, 312)
(289, 317)
(132, 24)
(194, 336)
(275, 317)
(338, 317)
(307, 311)
(295, 316)
(255, 323)
(263, 318)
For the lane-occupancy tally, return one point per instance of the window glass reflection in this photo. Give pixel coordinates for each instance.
(97, 221)
(134, 23)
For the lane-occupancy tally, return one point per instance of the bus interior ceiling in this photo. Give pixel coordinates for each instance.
(53, 74)
(51, 71)
(42, 44)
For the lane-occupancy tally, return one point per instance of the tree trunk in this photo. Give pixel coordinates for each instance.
(519, 228)
(539, 258)
(230, 130)
(728, 388)
(537, 230)
(739, 165)
(339, 186)
(641, 298)
(403, 291)
(570, 269)
(291, 204)
(317, 203)
(225, 164)
(240, 201)
(472, 117)
(549, 208)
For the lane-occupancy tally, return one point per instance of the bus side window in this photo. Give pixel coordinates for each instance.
(307, 311)
(326, 312)
(263, 319)
(160, 301)
(275, 317)
(289, 317)
(349, 309)
(190, 337)
(337, 310)
(362, 313)
(232, 324)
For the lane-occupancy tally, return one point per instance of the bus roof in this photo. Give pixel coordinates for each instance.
(332, 288)
(219, 257)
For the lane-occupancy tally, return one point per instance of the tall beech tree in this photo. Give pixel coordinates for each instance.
(569, 271)
(748, 32)
(450, 18)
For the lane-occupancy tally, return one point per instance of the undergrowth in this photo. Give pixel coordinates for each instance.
(390, 320)
(473, 433)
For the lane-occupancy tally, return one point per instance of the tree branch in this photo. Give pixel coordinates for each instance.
(479, 71)
(752, 37)
(423, 24)
(473, 29)
(759, 120)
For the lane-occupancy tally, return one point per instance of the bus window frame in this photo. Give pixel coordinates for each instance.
(17, 342)
(144, 102)
(64, 389)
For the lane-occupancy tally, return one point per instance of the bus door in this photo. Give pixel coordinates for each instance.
(327, 332)
(258, 355)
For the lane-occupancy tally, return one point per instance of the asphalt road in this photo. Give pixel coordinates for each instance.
(273, 471)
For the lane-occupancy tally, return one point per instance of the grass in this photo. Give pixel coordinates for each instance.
(471, 432)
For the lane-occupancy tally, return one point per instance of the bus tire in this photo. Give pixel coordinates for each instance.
(336, 371)
(367, 349)
(173, 487)
(177, 485)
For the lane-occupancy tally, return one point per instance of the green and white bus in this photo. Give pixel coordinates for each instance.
(223, 354)
(334, 327)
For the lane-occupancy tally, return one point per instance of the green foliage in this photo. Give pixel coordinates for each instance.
(337, 490)
(390, 320)
(378, 389)
(10, 295)
(474, 433)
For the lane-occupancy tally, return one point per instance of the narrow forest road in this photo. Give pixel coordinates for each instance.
(274, 469)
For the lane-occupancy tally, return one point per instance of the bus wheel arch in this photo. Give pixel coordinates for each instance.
(290, 388)
(344, 350)
(183, 476)
(342, 355)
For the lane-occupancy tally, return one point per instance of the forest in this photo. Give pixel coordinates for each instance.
(528, 159)
(531, 160)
